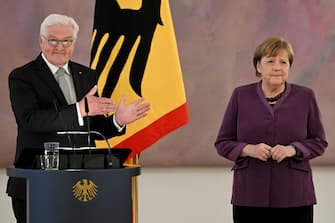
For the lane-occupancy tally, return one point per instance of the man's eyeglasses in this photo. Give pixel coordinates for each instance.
(54, 42)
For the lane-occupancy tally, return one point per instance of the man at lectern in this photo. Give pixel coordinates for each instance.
(53, 93)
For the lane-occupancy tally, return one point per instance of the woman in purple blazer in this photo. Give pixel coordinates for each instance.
(271, 129)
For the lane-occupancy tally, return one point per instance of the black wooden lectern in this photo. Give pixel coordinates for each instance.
(78, 195)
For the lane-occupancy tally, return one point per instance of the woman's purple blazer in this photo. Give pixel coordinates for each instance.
(294, 120)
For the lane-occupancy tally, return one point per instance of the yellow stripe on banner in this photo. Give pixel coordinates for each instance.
(101, 45)
(94, 34)
(108, 65)
(130, 4)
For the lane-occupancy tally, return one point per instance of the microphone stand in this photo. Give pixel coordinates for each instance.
(88, 123)
(110, 163)
(88, 128)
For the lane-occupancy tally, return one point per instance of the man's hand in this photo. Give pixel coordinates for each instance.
(96, 105)
(126, 114)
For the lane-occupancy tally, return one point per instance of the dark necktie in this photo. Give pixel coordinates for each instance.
(64, 81)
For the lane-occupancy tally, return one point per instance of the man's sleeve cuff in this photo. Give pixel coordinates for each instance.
(80, 119)
(119, 128)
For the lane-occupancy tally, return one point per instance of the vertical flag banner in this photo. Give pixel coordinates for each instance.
(134, 51)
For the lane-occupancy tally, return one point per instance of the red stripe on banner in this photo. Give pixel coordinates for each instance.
(152, 133)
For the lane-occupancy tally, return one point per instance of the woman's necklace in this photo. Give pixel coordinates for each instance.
(277, 97)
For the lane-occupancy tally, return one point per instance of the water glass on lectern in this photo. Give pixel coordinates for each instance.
(50, 157)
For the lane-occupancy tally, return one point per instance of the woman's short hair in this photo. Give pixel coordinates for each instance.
(271, 47)
(57, 19)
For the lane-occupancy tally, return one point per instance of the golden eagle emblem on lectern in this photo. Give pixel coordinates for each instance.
(85, 190)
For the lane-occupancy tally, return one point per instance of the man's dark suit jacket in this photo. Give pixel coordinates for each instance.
(34, 95)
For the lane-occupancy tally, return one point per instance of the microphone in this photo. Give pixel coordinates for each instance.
(62, 121)
(88, 122)
(110, 163)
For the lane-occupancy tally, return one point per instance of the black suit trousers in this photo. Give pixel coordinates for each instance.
(20, 210)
